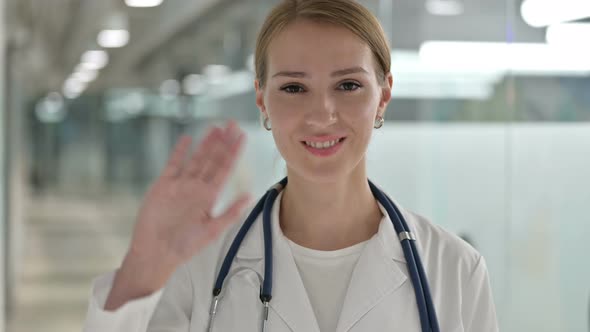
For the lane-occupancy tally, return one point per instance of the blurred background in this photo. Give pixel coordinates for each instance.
(488, 135)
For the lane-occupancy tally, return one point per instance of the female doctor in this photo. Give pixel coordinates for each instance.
(322, 84)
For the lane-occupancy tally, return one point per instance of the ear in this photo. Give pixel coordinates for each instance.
(260, 97)
(385, 94)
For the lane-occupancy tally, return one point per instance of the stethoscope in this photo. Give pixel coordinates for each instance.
(426, 310)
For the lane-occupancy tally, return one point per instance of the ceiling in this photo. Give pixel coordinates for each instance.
(47, 37)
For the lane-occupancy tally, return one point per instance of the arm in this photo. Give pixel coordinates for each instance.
(174, 224)
(167, 309)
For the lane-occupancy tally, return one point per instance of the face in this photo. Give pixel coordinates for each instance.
(321, 89)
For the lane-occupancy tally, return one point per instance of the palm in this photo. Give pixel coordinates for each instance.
(174, 221)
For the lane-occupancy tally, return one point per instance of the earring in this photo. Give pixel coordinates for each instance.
(266, 124)
(378, 122)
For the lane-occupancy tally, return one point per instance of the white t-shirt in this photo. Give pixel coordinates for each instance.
(326, 275)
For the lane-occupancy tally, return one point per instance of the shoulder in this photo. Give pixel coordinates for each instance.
(442, 246)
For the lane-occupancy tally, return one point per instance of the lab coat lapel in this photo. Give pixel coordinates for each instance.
(289, 296)
(290, 299)
(375, 276)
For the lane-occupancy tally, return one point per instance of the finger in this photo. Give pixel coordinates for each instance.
(229, 160)
(174, 165)
(208, 144)
(223, 157)
(230, 129)
(230, 216)
(217, 154)
(211, 164)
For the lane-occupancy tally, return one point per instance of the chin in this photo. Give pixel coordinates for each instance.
(326, 174)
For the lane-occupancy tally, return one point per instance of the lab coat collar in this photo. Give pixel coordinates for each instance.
(376, 275)
(252, 247)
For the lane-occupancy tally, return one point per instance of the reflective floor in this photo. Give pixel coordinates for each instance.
(69, 241)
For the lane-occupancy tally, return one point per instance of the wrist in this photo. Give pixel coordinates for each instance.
(135, 279)
(146, 276)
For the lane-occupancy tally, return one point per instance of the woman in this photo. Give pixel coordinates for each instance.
(322, 84)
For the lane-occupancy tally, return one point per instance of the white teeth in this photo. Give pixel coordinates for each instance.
(322, 145)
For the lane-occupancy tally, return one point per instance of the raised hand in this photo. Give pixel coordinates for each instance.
(175, 222)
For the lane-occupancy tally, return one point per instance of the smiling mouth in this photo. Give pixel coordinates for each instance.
(323, 145)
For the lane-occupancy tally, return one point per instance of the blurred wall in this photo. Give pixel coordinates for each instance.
(2, 185)
(16, 170)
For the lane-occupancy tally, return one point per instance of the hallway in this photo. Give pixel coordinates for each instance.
(68, 242)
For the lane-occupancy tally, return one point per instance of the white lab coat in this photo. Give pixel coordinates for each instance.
(380, 296)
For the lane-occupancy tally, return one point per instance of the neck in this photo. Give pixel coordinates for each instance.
(329, 216)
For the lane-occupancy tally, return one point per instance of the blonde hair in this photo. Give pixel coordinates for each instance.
(345, 13)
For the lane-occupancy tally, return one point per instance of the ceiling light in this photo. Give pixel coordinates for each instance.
(216, 74)
(444, 7)
(194, 84)
(570, 35)
(85, 76)
(143, 3)
(416, 79)
(541, 13)
(518, 58)
(95, 59)
(113, 38)
(72, 88)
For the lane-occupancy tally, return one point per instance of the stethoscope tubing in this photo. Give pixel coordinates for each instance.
(426, 310)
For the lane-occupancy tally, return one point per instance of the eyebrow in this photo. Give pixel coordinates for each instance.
(342, 72)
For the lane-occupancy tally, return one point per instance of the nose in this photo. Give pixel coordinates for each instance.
(322, 111)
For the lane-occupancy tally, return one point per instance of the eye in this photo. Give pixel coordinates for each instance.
(349, 86)
(292, 88)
